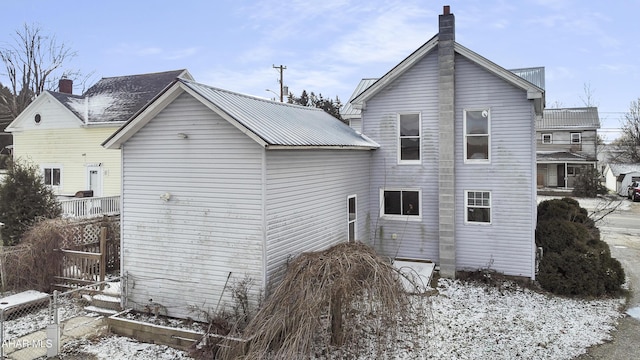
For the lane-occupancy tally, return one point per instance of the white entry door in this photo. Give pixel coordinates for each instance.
(94, 180)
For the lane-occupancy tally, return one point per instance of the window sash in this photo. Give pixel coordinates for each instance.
(409, 138)
(576, 138)
(477, 142)
(400, 203)
(52, 176)
(478, 206)
(351, 218)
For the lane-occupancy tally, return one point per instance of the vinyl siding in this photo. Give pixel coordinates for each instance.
(73, 149)
(180, 252)
(307, 193)
(507, 244)
(415, 91)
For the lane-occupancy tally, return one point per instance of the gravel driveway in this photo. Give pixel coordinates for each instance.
(623, 238)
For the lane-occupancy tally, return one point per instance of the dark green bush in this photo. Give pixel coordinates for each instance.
(575, 261)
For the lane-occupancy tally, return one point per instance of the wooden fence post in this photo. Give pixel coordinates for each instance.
(103, 254)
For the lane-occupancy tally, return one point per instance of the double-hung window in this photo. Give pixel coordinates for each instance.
(547, 138)
(477, 140)
(477, 206)
(52, 175)
(401, 204)
(576, 138)
(351, 218)
(409, 138)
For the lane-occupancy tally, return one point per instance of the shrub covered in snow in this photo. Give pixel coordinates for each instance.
(575, 260)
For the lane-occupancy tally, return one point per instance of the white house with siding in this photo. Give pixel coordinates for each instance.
(454, 178)
(218, 186)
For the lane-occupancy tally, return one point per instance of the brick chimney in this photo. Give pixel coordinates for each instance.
(446, 132)
(65, 86)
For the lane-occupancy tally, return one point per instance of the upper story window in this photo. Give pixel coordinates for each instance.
(576, 138)
(52, 175)
(409, 126)
(547, 138)
(477, 141)
(401, 204)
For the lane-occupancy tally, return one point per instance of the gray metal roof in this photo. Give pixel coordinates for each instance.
(569, 118)
(534, 75)
(282, 124)
(348, 110)
(116, 99)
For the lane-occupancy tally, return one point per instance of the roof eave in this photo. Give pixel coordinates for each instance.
(320, 147)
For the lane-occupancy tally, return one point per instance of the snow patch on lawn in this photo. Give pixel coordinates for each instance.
(465, 321)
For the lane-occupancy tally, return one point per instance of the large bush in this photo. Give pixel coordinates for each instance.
(24, 200)
(575, 261)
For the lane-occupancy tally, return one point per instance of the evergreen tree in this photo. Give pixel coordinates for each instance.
(24, 200)
(332, 107)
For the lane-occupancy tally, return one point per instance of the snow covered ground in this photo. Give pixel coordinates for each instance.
(466, 321)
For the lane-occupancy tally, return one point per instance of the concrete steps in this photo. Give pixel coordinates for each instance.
(105, 303)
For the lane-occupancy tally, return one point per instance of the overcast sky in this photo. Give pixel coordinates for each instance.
(328, 46)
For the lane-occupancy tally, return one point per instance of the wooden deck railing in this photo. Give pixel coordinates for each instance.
(90, 206)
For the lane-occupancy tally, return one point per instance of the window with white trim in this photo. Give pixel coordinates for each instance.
(409, 139)
(576, 138)
(351, 218)
(478, 206)
(52, 175)
(477, 141)
(547, 138)
(401, 204)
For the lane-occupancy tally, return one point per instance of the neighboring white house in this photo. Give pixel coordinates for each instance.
(61, 133)
(619, 176)
(218, 185)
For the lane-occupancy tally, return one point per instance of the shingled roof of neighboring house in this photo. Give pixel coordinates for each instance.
(543, 156)
(117, 99)
(569, 118)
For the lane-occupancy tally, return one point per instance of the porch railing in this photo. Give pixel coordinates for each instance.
(90, 206)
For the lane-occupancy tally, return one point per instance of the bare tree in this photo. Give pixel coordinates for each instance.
(628, 144)
(587, 98)
(32, 63)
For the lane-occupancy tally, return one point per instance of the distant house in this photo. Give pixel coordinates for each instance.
(218, 186)
(567, 143)
(61, 132)
(619, 176)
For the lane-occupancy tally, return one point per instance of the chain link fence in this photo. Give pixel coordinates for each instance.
(35, 325)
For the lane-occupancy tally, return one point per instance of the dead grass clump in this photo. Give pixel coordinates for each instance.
(322, 304)
(34, 263)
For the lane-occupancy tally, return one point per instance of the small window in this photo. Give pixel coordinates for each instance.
(576, 138)
(404, 204)
(37, 119)
(351, 218)
(52, 176)
(478, 207)
(476, 132)
(547, 139)
(409, 138)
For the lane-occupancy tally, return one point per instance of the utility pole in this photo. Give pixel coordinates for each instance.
(281, 68)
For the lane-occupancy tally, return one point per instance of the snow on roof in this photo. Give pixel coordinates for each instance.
(116, 99)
